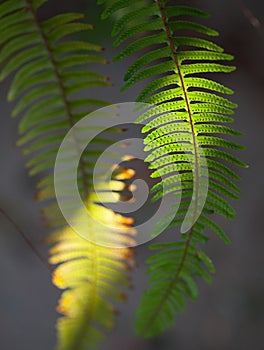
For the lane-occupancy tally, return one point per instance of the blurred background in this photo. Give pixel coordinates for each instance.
(229, 314)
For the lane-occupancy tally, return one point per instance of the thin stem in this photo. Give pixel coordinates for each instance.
(26, 239)
(187, 103)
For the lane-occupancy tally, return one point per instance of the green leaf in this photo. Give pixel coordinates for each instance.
(196, 42)
(66, 29)
(140, 14)
(140, 44)
(26, 78)
(61, 19)
(17, 29)
(140, 28)
(19, 43)
(10, 6)
(173, 11)
(213, 226)
(196, 27)
(15, 18)
(68, 47)
(33, 95)
(149, 72)
(115, 6)
(22, 58)
(77, 60)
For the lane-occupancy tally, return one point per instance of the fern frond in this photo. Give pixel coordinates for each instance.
(172, 272)
(184, 134)
(93, 278)
(48, 68)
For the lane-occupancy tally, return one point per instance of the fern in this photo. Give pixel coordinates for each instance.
(185, 131)
(50, 68)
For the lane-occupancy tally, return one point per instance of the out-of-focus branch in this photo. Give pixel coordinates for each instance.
(250, 16)
(26, 239)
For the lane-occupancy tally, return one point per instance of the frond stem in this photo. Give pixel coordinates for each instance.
(186, 99)
(174, 280)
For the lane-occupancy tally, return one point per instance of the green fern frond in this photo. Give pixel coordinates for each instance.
(48, 67)
(172, 272)
(185, 134)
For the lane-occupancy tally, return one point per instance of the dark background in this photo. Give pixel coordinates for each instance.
(229, 314)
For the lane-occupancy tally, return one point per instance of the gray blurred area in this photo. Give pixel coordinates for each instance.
(229, 314)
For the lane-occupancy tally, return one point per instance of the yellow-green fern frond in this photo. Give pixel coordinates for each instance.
(94, 277)
(49, 69)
